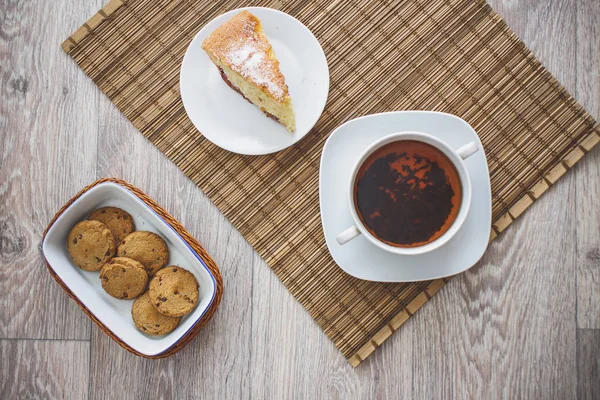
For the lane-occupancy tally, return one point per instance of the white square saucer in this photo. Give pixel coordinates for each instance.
(362, 259)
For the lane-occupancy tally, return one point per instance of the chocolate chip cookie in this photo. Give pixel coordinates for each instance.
(149, 320)
(123, 278)
(118, 221)
(91, 244)
(146, 247)
(174, 291)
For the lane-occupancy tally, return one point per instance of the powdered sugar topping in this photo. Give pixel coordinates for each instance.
(249, 61)
(240, 54)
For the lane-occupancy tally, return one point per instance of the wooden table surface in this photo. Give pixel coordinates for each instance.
(523, 323)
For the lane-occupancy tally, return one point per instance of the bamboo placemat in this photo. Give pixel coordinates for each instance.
(456, 56)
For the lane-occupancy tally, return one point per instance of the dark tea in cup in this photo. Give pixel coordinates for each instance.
(407, 193)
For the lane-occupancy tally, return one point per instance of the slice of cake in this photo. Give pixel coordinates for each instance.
(247, 63)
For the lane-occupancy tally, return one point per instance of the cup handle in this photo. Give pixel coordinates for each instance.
(467, 150)
(348, 235)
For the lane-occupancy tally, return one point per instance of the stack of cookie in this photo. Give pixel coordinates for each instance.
(127, 260)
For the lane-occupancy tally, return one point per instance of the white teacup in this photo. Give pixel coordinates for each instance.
(455, 156)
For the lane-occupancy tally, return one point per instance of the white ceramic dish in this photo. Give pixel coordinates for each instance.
(113, 313)
(361, 258)
(226, 118)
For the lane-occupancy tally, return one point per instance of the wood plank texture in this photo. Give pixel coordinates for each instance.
(52, 369)
(47, 153)
(588, 173)
(588, 364)
(505, 329)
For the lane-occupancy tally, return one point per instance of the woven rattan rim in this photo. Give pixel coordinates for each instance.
(193, 243)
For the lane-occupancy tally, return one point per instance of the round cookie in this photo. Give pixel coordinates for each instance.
(150, 321)
(91, 245)
(174, 291)
(146, 247)
(123, 281)
(118, 221)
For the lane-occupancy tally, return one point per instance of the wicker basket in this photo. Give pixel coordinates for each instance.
(193, 243)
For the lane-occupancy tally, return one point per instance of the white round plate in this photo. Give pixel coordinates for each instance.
(362, 259)
(226, 118)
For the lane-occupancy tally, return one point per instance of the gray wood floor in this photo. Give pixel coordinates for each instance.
(523, 323)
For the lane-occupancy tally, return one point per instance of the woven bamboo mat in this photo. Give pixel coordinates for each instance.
(455, 56)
